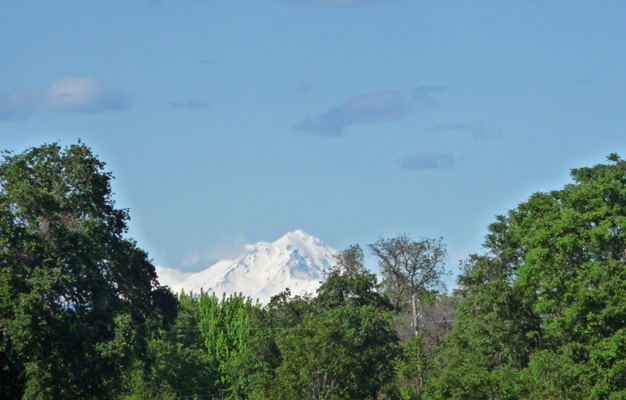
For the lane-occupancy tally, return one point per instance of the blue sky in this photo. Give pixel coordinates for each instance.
(232, 122)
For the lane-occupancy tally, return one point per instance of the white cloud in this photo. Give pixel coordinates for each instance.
(69, 94)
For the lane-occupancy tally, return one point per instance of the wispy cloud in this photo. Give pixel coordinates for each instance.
(225, 249)
(424, 94)
(366, 109)
(190, 104)
(229, 248)
(69, 94)
(475, 129)
(427, 160)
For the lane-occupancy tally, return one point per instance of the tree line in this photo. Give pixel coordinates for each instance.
(540, 314)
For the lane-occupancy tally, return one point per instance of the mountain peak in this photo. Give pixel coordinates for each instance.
(296, 261)
(298, 234)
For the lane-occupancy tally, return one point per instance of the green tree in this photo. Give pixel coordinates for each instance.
(409, 368)
(410, 268)
(75, 294)
(264, 357)
(492, 338)
(543, 313)
(343, 348)
(176, 362)
(436, 318)
(227, 332)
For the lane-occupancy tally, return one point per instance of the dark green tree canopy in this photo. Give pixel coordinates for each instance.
(75, 294)
(342, 348)
(543, 313)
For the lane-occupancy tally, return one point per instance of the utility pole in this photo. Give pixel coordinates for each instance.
(415, 316)
(420, 378)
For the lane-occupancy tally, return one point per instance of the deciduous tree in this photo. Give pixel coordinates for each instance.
(543, 313)
(350, 261)
(409, 267)
(75, 294)
(343, 348)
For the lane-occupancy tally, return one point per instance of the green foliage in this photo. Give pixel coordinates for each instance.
(543, 314)
(409, 368)
(264, 357)
(176, 362)
(342, 348)
(75, 295)
(226, 330)
(342, 289)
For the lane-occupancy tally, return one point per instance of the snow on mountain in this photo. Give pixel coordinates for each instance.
(296, 261)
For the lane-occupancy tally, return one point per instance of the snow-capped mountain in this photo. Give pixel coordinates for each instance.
(296, 261)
